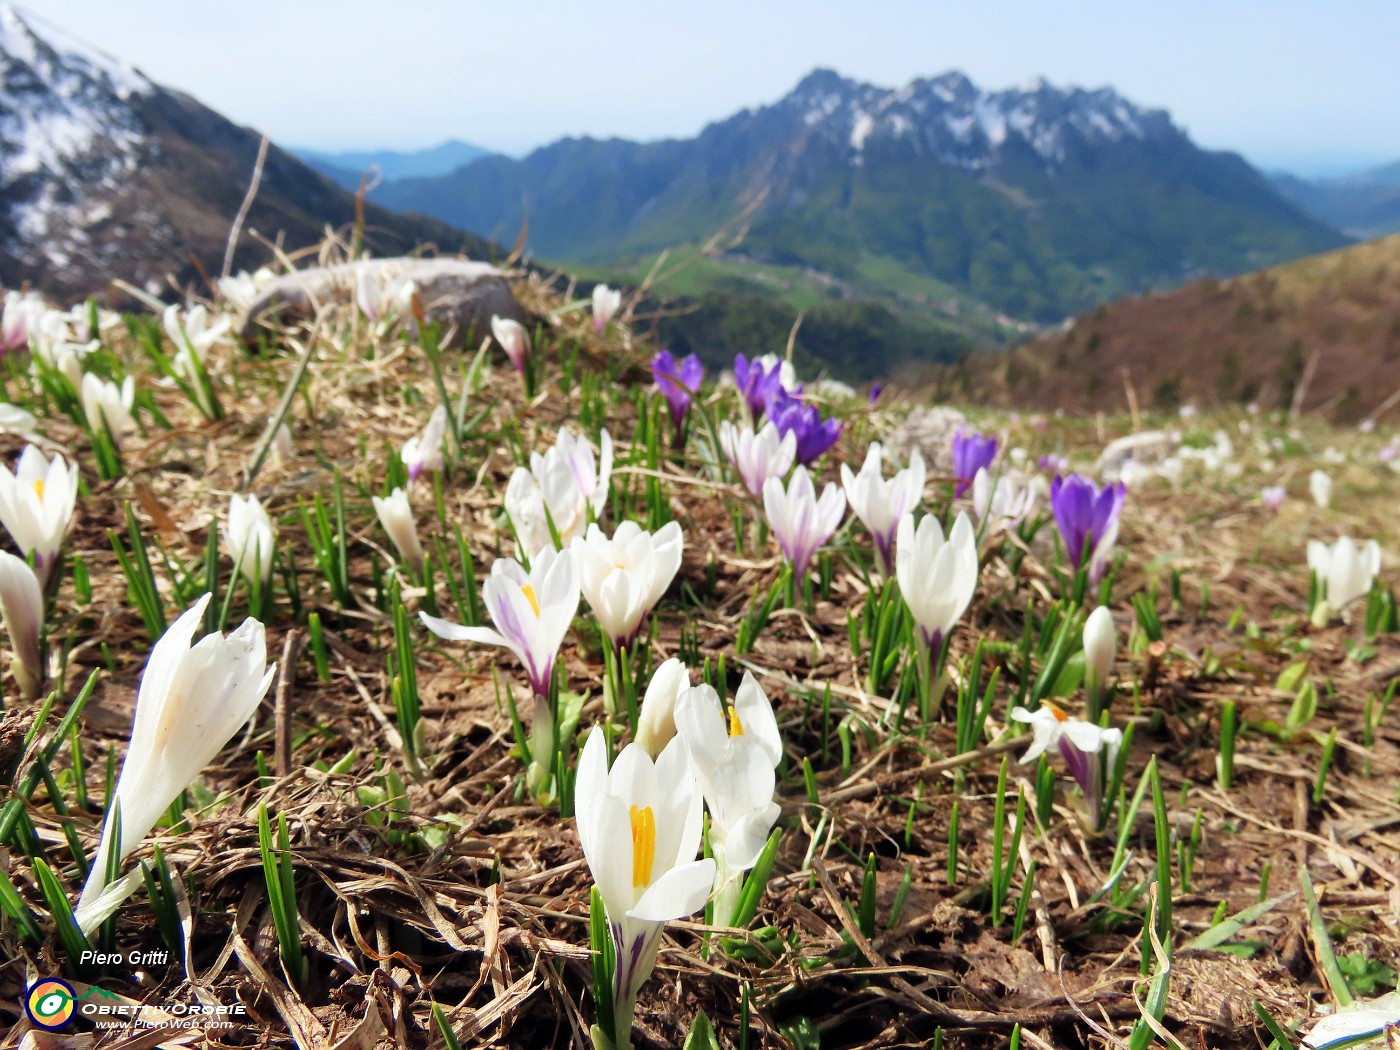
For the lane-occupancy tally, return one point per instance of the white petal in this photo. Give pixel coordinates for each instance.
(680, 892)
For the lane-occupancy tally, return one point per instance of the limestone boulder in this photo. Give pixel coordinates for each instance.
(930, 431)
(461, 295)
(1149, 449)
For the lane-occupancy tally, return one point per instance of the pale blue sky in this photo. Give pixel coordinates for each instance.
(1295, 84)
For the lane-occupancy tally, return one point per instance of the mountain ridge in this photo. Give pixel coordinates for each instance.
(348, 167)
(1363, 204)
(105, 174)
(1039, 201)
(1322, 332)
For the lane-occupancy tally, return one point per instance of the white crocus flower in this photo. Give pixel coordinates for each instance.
(250, 540)
(80, 321)
(758, 457)
(1080, 744)
(1345, 571)
(656, 722)
(532, 613)
(639, 824)
(15, 420)
(787, 375)
(190, 703)
(624, 577)
(191, 332)
(368, 296)
(19, 320)
(1320, 485)
(54, 342)
(424, 452)
(606, 302)
(396, 515)
(880, 504)
(936, 577)
(799, 520)
(241, 289)
(383, 304)
(36, 505)
(1006, 500)
(1100, 647)
(562, 485)
(107, 405)
(193, 335)
(513, 339)
(1365, 1019)
(22, 605)
(734, 758)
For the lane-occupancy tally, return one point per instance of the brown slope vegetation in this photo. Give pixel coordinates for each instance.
(1324, 331)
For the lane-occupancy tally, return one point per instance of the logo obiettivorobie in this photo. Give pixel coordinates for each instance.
(50, 1003)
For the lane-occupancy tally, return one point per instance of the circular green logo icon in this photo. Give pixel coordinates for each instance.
(50, 1003)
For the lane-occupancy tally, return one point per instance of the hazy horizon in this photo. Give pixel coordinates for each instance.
(1275, 82)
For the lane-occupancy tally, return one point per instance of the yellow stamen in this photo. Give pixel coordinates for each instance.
(643, 845)
(736, 727)
(39, 488)
(1060, 716)
(529, 593)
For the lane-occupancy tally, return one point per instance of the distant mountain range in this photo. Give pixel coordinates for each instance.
(1366, 204)
(105, 174)
(1324, 330)
(350, 166)
(1037, 202)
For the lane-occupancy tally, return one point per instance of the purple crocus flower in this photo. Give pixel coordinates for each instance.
(757, 384)
(678, 382)
(971, 453)
(813, 434)
(875, 390)
(1054, 462)
(1087, 517)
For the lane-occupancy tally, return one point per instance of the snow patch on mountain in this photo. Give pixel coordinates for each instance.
(67, 126)
(963, 124)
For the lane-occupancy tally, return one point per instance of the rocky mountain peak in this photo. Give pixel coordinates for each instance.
(67, 124)
(960, 123)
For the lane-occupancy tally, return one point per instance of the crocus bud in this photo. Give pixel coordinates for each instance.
(22, 605)
(397, 518)
(937, 576)
(191, 702)
(606, 302)
(251, 539)
(424, 452)
(656, 724)
(282, 445)
(1100, 643)
(1345, 570)
(513, 339)
(108, 405)
(1320, 485)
